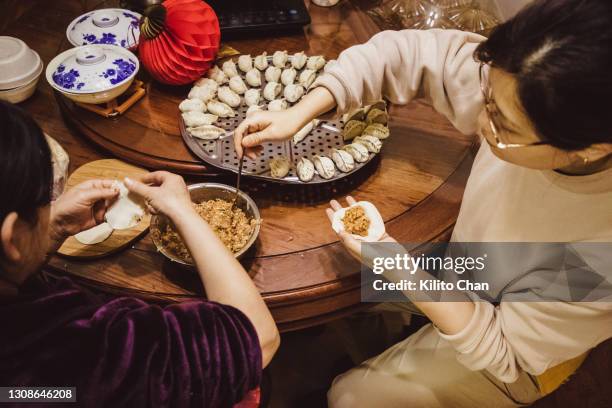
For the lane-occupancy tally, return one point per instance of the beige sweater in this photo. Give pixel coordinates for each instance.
(502, 202)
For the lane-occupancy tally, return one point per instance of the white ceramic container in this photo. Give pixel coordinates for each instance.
(19, 64)
(93, 73)
(110, 26)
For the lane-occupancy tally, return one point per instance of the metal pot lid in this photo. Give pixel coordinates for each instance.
(92, 68)
(111, 26)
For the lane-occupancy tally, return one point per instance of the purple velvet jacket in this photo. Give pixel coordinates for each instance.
(125, 352)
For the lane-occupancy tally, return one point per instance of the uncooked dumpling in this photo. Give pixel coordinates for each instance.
(376, 227)
(127, 211)
(94, 235)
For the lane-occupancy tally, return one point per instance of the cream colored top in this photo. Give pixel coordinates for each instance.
(502, 202)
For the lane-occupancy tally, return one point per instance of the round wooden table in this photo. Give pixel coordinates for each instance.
(302, 271)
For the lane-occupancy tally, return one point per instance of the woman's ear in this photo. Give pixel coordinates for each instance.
(8, 238)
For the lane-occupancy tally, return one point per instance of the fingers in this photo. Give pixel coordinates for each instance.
(330, 214)
(350, 200)
(335, 205)
(253, 152)
(138, 187)
(155, 178)
(238, 136)
(93, 195)
(100, 184)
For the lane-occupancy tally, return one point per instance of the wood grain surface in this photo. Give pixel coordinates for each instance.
(110, 169)
(303, 272)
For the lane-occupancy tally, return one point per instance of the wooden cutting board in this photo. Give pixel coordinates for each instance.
(119, 239)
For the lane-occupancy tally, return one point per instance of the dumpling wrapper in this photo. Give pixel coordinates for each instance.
(377, 225)
(95, 235)
(127, 211)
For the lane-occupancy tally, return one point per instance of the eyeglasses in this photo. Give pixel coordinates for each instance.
(491, 109)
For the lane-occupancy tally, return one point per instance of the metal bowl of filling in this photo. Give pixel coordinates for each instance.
(238, 227)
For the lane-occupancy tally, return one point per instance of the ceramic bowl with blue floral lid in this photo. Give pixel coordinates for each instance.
(93, 73)
(110, 26)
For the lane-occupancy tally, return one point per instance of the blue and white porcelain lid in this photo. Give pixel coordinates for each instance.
(92, 68)
(111, 26)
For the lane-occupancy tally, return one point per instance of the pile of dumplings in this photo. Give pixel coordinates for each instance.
(364, 130)
(254, 82)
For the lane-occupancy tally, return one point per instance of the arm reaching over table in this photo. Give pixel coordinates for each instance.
(437, 65)
(224, 279)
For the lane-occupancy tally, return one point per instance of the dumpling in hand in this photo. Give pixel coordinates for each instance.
(195, 105)
(245, 63)
(229, 97)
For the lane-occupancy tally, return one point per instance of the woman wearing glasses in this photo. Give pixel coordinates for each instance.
(537, 91)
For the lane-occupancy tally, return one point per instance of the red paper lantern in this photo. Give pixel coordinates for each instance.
(179, 40)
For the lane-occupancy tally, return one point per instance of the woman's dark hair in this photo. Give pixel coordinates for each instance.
(26, 172)
(560, 52)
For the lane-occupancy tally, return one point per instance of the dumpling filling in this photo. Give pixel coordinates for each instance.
(356, 221)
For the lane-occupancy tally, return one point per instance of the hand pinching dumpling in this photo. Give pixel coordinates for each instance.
(288, 76)
(305, 169)
(277, 105)
(193, 119)
(217, 75)
(229, 68)
(279, 59)
(202, 93)
(261, 61)
(252, 97)
(315, 63)
(343, 160)
(207, 83)
(293, 92)
(272, 90)
(226, 95)
(307, 77)
(273, 74)
(192, 105)
(325, 166)
(372, 143)
(299, 60)
(253, 78)
(279, 167)
(358, 151)
(220, 109)
(237, 85)
(245, 63)
(206, 132)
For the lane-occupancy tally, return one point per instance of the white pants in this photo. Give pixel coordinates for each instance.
(423, 371)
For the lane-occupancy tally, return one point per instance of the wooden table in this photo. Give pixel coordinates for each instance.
(302, 271)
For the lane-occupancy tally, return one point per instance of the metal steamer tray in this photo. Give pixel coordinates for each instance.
(221, 153)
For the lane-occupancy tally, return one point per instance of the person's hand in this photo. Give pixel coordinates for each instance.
(352, 245)
(164, 193)
(81, 208)
(265, 126)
